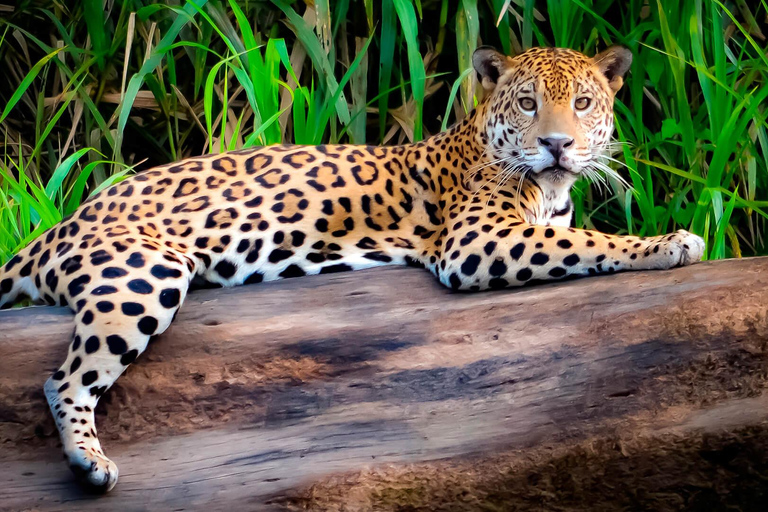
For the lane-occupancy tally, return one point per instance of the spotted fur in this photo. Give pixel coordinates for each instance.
(484, 205)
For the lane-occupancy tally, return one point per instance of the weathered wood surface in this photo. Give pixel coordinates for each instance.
(258, 391)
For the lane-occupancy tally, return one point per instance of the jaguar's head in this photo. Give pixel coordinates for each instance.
(549, 111)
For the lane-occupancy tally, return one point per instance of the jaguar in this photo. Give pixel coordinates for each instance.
(483, 205)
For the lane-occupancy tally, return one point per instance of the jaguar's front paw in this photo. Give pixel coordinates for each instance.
(676, 249)
(688, 248)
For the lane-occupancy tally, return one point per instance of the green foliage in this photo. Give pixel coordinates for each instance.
(93, 92)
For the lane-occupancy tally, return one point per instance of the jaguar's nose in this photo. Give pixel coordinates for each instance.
(556, 145)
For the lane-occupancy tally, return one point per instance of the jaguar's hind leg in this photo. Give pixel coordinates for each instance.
(116, 316)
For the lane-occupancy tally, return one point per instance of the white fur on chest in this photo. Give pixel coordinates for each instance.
(554, 207)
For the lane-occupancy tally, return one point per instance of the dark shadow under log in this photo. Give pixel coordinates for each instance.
(380, 389)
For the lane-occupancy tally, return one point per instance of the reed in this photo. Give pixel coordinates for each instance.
(95, 90)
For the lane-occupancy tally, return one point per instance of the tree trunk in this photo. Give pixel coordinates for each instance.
(261, 396)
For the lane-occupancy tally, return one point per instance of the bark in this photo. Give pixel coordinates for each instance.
(259, 392)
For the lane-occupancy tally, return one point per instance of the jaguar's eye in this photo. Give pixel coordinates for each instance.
(582, 103)
(527, 104)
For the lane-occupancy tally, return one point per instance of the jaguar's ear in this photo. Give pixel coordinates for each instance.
(614, 64)
(490, 65)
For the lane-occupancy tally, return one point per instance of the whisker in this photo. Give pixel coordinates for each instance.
(608, 171)
(595, 178)
(482, 187)
(485, 165)
(482, 161)
(520, 181)
(610, 159)
(507, 173)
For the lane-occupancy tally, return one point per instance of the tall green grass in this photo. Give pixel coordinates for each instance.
(94, 90)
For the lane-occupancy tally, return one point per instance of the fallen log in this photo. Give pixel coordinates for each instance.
(261, 396)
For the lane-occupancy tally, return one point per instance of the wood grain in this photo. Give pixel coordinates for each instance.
(258, 391)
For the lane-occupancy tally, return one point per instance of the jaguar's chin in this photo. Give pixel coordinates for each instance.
(557, 174)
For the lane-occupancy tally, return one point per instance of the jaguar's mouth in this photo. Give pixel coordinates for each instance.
(558, 173)
(558, 169)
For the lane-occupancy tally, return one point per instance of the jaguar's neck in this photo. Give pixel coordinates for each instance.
(467, 145)
(459, 156)
(449, 156)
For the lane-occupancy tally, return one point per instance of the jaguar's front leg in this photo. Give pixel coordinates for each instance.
(512, 253)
